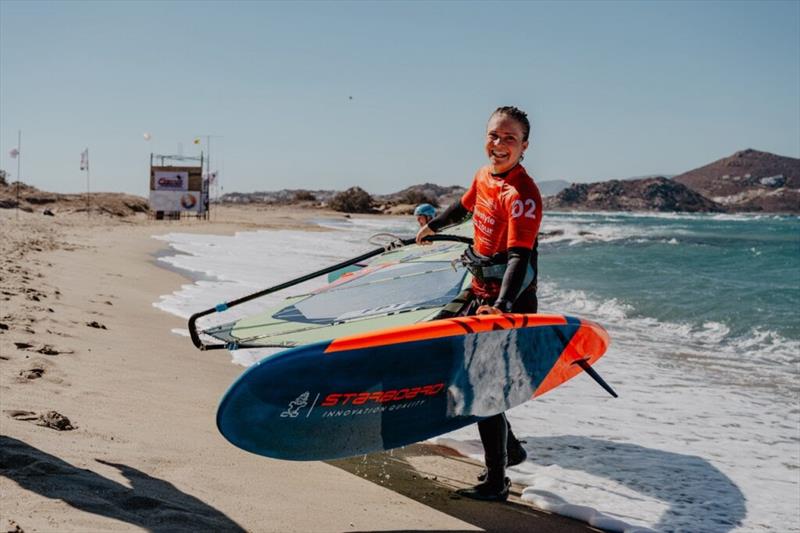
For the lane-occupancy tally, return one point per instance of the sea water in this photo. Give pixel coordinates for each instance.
(702, 311)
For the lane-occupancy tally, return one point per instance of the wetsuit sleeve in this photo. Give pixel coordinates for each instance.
(455, 212)
(518, 259)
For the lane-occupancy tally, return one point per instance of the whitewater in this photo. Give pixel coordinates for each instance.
(705, 354)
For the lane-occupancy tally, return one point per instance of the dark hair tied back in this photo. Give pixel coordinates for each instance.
(517, 114)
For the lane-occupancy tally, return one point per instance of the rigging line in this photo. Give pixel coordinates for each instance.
(428, 253)
(394, 278)
(395, 241)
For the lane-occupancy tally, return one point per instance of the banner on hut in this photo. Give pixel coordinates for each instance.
(176, 201)
(171, 181)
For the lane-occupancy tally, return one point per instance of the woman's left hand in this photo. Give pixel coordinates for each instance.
(423, 232)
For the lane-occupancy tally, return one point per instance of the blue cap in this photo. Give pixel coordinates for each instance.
(425, 210)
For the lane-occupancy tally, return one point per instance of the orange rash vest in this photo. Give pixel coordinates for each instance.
(507, 213)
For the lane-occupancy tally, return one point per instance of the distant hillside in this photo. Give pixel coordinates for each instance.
(647, 194)
(552, 187)
(282, 197)
(401, 202)
(749, 181)
(746, 181)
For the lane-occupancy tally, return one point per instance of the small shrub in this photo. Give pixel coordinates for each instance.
(304, 196)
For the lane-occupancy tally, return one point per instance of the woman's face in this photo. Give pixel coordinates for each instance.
(504, 144)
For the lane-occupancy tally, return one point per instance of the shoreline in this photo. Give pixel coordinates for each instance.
(145, 452)
(191, 276)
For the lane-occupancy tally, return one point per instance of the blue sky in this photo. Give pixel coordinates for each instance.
(614, 89)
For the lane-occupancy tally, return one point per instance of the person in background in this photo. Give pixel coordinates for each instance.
(507, 212)
(424, 214)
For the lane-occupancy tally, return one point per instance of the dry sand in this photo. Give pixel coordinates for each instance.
(79, 337)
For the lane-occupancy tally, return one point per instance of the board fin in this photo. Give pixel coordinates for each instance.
(584, 364)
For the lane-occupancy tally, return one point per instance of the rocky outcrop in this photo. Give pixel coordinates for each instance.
(108, 203)
(648, 194)
(353, 200)
(749, 180)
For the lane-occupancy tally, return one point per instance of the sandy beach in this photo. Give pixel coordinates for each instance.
(79, 336)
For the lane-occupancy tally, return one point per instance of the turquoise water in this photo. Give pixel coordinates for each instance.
(740, 273)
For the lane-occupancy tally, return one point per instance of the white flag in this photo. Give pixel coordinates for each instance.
(14, 152)
(85, 160)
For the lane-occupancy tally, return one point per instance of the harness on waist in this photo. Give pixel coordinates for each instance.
(491, 269)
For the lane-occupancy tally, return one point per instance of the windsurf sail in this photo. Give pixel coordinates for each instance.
(402, 284)
(398, 284)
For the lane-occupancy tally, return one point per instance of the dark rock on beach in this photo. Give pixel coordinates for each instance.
(32, 373)
(55, 420)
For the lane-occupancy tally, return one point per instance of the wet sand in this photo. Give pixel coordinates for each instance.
(107, 417)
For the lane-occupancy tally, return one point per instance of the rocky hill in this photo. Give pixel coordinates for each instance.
(749, 180)
(648, 194)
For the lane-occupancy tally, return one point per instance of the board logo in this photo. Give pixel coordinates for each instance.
(381, 397)
(295, 405)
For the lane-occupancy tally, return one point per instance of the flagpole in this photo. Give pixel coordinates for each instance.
(208, 172)
(88, 203)
(208, 169)
(19, 161)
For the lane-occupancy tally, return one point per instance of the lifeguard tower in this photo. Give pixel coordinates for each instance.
(177, 187)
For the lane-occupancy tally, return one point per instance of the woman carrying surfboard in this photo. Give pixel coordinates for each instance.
(506, 211)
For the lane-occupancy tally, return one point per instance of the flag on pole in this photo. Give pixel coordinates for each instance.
(85, 159)
(14, 152)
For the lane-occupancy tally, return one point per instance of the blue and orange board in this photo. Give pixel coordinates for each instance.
(385, 389)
